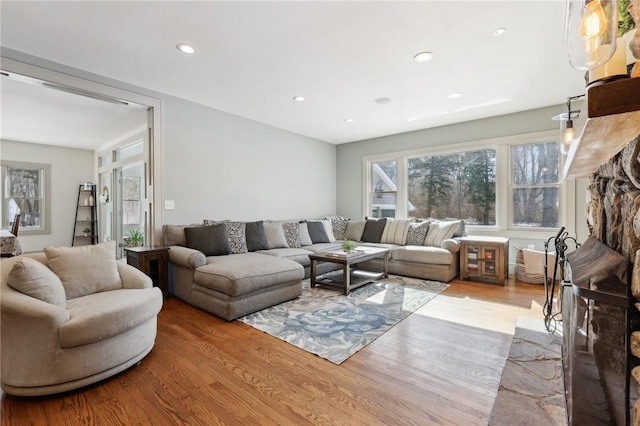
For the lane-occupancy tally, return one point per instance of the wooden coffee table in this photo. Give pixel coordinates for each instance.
(350, 277)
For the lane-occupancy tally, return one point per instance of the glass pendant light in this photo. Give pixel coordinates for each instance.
(591, 32)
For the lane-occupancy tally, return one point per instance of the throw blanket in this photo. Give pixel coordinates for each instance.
(534, 261)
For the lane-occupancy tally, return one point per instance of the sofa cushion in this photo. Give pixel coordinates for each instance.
(99, 316)
(210, 240)
(339, 225)
(86, 269)
(236, 232)
(320, 247)
(317, 232)
(256, 238)
(354, 230)
(440, 231)
(239, 274)
(423, 254)
(299, 255)
(174, 235)
(305, 238)
(292, 234)
(275, 235)
(417, 233)
(395, 231)
(373, 229)
(35, 279)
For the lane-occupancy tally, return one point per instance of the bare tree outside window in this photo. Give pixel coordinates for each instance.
(24, 193)
(535, 185)
(460, 185)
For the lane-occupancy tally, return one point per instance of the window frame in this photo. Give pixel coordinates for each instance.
(44, 171)
(504, 200)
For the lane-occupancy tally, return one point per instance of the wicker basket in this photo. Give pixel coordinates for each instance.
(521, 273)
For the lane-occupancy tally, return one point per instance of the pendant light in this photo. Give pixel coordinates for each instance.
(591, 32)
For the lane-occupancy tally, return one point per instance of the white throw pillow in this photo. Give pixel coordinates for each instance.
(440, 231)
(275, 235)
(395, 231)
(35, 279)
(86, 269)
(328, 227)
(305, 237)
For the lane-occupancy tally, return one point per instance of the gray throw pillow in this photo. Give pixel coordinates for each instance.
(339, 225)
(354, 230)
(256, 238)
(373, 229)
(317, 232)
(275, 235)
(210, 240)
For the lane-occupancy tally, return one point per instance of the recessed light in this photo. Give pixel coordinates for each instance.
(454, 95)
(186, 48)
(422, 57)
(382, 101)
(348, 120)
(298, 98)
(499, 32)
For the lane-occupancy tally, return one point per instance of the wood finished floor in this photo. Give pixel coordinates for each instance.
(441, 365)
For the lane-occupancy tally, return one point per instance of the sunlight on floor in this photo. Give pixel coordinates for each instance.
(477, 313)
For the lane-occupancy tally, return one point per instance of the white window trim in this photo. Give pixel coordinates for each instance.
(504, 208)
(45, 210)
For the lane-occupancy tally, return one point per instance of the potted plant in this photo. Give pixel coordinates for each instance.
(86, 232)
(349, 246)
(135, 238)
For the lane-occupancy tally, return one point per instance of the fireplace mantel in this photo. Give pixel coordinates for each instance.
(614, 121)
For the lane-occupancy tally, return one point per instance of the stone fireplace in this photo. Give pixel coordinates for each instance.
(601, 318)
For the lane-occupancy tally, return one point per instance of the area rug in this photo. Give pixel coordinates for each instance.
(333, 326)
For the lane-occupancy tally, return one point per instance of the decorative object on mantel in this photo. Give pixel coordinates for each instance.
(634, 44)
(591, 32)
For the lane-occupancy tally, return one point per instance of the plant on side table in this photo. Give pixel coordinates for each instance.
(135, 238)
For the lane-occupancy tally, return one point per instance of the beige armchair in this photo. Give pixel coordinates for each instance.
(61, 331)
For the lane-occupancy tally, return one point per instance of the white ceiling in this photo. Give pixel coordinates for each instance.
(253, 57)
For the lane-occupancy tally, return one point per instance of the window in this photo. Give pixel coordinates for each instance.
(535, 185)
(25, 192)
(384, 188)
(460, 185)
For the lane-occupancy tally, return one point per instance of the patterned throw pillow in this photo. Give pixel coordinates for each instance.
(237, 237)
(292, 234)
(339, 225)
(440, 231)
(417, 233)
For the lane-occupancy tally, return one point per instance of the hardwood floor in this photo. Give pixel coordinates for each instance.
(441, 365)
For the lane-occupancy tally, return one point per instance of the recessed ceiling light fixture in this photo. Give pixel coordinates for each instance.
(383, 101)
(348, 120)
(298, 98)
(422, 57)
(186, 48)
(455, 95)
(499, 31)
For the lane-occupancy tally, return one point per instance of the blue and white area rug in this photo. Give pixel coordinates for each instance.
(334, 326)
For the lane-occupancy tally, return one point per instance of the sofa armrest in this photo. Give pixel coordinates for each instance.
(451, 244)
(187, 257)
(132, 277)
(29, 330)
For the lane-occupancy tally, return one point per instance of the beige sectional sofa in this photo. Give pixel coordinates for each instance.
(232, 268)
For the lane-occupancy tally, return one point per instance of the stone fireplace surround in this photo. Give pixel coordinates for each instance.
(613, 218)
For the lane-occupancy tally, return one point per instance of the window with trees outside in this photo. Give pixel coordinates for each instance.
(507, 184)
(24, 192)
(460, 185)
(535, 185)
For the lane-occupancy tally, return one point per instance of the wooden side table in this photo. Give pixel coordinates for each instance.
(153, 261)
(484, 259)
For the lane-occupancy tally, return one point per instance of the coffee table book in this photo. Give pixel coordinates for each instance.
(344, 255)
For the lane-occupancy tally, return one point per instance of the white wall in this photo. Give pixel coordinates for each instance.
(69, 168)
(221, 166)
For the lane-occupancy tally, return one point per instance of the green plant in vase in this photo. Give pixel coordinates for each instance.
(349, 246)
(135, 238)
(86, 232)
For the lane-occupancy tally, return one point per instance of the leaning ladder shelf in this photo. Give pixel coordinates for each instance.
(86, 217)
